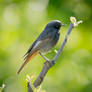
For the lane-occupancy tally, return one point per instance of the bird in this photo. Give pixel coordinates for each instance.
(44, 42)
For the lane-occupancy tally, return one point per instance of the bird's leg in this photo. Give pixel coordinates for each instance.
(44, 57)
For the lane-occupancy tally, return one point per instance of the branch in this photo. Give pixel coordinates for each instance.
(47, 65)
(29, 87)
(29, 83)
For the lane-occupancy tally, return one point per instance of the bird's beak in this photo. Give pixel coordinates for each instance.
(63, 24)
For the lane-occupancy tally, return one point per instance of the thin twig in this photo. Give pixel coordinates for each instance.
(29, 87)
(29, 79)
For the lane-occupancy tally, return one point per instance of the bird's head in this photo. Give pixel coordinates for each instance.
(56, 24)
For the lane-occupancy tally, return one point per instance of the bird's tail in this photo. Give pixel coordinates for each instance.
(29, 57)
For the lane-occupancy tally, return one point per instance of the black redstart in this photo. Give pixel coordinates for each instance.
(45, 42)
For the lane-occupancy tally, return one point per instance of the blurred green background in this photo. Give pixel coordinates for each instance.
(21, 21)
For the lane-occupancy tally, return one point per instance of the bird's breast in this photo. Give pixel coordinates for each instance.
(51, 43)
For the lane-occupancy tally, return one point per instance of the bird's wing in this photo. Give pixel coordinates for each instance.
(43, 39)
(30, 48)
(37, 45)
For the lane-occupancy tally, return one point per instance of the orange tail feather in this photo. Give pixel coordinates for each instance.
(27, 60)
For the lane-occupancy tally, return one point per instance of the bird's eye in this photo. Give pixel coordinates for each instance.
(57, 27)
